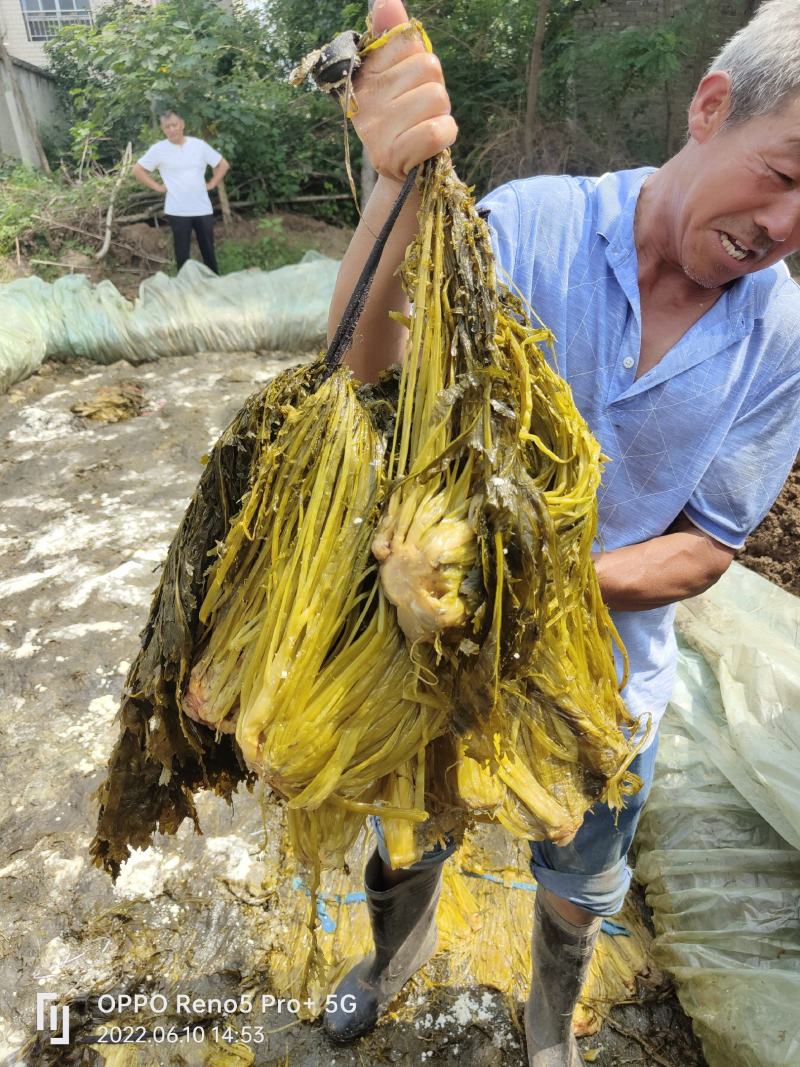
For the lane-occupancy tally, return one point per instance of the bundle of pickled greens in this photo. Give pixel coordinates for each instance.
(381, 599)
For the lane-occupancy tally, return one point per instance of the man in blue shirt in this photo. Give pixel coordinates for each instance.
(678, 329)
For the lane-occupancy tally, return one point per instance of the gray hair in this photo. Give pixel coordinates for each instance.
(763, 61)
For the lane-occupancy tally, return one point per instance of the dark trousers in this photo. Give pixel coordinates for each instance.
(203, 226)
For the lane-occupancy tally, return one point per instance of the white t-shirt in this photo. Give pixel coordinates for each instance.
(183, 170)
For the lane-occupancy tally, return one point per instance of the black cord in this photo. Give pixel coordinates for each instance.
(343, 337)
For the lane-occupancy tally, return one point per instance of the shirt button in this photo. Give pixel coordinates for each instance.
(627, 362)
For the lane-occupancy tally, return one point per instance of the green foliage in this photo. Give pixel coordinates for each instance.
(22, 191)
(606, 99)
(33, 206)
(599, 88)
(483, 46)
(222, 73)
(272, 249)
(227, 76)
(296, 29)
(184, 53)
(632, 61)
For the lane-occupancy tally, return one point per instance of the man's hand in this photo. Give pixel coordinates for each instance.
(220, 171)
(403, 111)
(402, 115)
(141, 175)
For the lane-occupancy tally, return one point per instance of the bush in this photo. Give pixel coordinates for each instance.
(220, 72)
(44, 213)
(271, 249)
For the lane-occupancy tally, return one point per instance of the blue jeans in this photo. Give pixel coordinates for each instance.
(592, 870)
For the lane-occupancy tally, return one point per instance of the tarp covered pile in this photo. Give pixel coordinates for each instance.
(194, 312)
(720, 835)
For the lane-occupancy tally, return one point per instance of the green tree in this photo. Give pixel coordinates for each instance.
(535, 86)
(223, 73)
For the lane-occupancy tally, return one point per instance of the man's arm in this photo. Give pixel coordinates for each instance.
(141, 175)
(378, 341)
(683, 562)
(402, 117)
(219, 173)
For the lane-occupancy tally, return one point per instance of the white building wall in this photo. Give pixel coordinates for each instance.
(15, 35)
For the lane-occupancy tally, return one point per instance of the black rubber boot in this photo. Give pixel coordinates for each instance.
(561, 955)
(403, 922)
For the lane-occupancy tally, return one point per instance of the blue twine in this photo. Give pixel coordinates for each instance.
(329, 924)
(607, 926)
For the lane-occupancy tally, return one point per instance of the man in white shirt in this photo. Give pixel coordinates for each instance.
(181, 162)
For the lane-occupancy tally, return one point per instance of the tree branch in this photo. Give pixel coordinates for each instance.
(97, 237)
(534, 77)
(127, 156)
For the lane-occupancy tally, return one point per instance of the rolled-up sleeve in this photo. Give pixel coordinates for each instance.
(746, 475)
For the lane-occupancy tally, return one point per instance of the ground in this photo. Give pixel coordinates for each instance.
(88, 511)
(140, 249)
(772, 548)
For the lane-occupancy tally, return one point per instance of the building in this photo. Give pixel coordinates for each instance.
(27, 24)
(28, 103)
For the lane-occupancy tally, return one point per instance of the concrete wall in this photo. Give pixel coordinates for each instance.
(15, 34)
(36, 87)
(39, 96)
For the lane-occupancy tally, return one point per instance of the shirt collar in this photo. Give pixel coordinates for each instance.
(617, 196)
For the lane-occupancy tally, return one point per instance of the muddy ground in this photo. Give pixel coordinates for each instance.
(87, 513)
(773, 549)
(140, 249)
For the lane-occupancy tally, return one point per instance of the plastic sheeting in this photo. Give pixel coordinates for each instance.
(720, 834)
(194, 312)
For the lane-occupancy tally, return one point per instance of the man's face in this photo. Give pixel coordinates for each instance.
(741, 209)
(172, 128)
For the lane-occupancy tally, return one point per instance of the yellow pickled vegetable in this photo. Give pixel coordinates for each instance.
(401, 615)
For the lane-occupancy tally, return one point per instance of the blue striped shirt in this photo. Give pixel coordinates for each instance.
(711, 430)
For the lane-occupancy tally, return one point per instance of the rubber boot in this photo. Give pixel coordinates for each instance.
(403, 921)
(561, 954)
